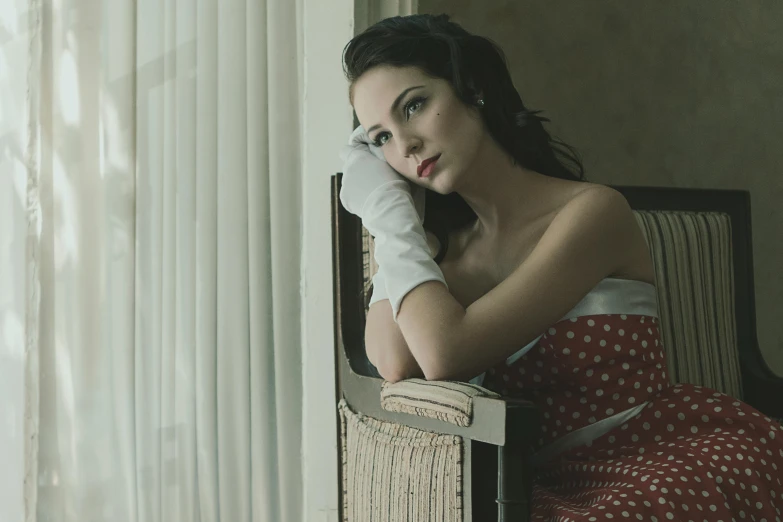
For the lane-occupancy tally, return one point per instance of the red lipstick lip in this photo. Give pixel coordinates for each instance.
(426, 162)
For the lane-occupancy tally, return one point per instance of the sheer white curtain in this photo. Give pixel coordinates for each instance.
(154, 229)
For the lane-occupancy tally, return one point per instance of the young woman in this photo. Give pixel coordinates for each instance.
(541, 286)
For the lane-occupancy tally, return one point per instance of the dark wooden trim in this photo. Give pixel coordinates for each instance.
(337, 320)
(685, 199)
(483, 490)
(349, 283)
(515, 481)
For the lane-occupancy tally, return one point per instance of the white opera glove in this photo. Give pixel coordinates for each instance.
(374, 191)
(379, 279)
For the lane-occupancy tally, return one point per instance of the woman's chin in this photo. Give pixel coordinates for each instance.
(441, 183)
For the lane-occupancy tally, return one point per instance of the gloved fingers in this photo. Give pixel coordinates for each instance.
(360, 139)
(364, 173)
(359, 135)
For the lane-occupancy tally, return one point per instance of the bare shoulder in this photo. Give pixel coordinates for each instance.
(597, 211)
(592, 212)
(579, 190)
(583, 211)
(597, 199)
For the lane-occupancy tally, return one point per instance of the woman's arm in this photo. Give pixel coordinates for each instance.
(386, 347)
(586, 242)
(383, 340)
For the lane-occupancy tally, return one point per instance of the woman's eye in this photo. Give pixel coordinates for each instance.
(415, 103)
(379, 142)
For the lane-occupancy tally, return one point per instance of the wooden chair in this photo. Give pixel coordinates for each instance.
(418, 450)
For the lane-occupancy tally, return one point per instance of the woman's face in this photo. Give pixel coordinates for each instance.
(413, 118)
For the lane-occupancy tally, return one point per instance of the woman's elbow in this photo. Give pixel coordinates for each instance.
(439, 373)
(394, 374)
(439, 368)
(445, 362)
(394, 369)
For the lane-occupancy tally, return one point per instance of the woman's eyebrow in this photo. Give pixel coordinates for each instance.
(395, 104)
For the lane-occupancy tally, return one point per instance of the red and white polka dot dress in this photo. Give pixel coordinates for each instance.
(678, 452)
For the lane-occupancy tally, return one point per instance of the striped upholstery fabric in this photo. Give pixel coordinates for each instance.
(443, 400)
(693, 263)
(694, 274)
(383, 476)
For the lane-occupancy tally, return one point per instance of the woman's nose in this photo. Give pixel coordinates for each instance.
(410, 147)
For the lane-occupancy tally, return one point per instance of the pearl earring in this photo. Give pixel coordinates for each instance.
(480, 102)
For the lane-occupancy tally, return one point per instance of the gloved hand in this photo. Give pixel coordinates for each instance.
(354, 155)
(383, 199)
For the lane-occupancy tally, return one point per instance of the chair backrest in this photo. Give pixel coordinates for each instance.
(701, 244)
(694, 274)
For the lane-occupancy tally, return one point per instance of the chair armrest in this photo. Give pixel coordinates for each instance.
(495, 420)
(450, 401)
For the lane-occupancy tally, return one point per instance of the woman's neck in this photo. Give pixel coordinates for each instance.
(504, 196)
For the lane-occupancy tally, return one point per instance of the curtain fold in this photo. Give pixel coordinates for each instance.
(264, 492)
(284, 52)
(166, 376)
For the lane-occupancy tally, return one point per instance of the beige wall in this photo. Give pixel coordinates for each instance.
(665, 93)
